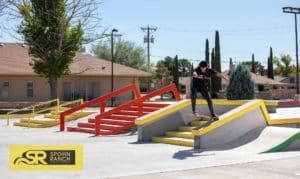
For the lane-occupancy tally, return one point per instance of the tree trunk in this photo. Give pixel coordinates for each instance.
(53, 86)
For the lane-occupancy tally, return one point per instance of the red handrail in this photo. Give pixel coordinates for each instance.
(137, 102)
(101, 100)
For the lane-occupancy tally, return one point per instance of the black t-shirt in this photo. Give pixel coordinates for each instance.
(198, 83)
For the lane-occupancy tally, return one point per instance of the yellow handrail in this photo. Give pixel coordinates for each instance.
(61, 105)
(72, 102)
(33, 108)
(68, 103)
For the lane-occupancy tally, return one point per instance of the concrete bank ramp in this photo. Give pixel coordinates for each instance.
(236, 127)
(272, 139)
(243, 126)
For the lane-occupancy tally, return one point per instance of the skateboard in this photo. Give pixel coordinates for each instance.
(200, 117)
(209, 121)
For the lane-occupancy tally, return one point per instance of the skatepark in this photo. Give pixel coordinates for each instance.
(248, 133)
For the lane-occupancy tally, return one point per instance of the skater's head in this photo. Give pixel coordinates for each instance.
(203, 65)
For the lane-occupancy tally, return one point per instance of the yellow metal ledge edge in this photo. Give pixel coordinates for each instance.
(223, 102)
(237, 102)
(285, 121)
(279, 121)
(247, 107)
(271, 102)
(161, 113)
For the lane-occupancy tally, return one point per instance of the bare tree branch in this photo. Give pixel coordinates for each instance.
(3, 6)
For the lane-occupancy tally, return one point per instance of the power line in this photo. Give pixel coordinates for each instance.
(251, 29)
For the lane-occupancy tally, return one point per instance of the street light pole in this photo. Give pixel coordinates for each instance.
(295, 11)
(112, 64)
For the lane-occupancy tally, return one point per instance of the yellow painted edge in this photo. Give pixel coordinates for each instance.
(161, 113)
(271, 102)
(149, 118)
(178, 134)
(284, 121)
(223, 102)
(265, 113)
(229, 118)
(236, 102)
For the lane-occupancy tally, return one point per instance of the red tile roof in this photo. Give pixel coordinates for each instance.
(14, 60)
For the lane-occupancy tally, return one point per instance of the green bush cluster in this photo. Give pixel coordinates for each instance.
(241, 85)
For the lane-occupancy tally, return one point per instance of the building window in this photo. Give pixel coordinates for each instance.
(5, 89)
(29, 89)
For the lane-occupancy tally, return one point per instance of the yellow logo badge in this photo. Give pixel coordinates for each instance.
(45, 157)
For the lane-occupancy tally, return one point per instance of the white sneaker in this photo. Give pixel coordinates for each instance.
(196, 114)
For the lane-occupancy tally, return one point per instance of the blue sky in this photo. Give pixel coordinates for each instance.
(245, 27)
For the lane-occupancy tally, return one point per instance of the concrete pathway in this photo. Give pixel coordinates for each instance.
(121, 156)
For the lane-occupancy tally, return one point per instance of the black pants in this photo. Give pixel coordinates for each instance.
(204, 92)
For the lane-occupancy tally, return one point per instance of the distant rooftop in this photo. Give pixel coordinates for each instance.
(14, 60)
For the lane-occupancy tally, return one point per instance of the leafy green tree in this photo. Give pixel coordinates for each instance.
(241, 86)
(270, 65)
(258, 67)
(284, 67)
(162, 75)
(126, 53)
(52, 41)
(184, 66)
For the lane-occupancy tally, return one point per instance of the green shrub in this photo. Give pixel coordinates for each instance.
(241, 85)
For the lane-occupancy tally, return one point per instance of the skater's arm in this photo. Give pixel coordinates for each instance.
(201, 77)
(220, 75)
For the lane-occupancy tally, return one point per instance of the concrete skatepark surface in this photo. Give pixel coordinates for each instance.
(122, 156)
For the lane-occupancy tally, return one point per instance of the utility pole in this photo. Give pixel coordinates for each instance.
(295, 11)
(148, 40)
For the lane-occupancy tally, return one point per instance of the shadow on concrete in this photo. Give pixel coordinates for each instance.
(184, 154)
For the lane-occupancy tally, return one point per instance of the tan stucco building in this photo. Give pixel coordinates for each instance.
(90, 77)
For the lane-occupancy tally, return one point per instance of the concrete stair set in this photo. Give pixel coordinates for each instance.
(183, 135)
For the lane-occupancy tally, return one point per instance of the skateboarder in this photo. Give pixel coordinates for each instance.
(200, 78)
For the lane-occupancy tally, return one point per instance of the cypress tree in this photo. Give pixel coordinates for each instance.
(253, 64)
(241, 85)
(213, 84)
(207, 51)
(218, 83)
(175, 72)
(270, 65)
(230, 66)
